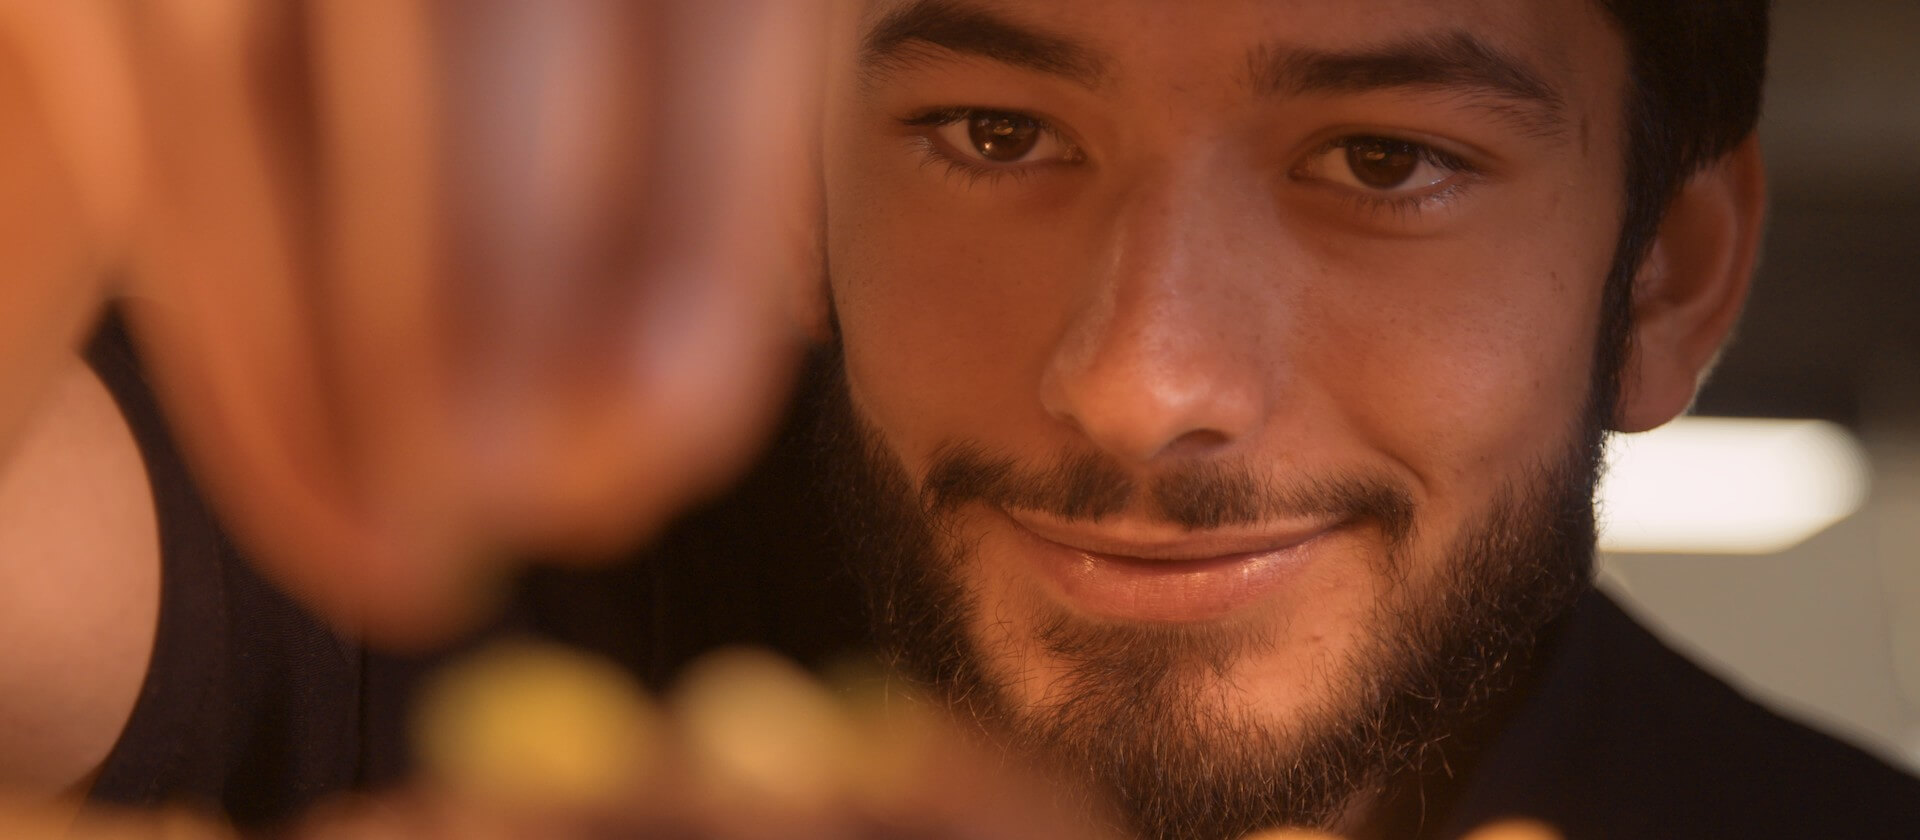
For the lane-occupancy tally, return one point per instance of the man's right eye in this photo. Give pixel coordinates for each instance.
(994, 139)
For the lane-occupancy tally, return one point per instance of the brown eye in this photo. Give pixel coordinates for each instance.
(1003, 138)
(1381, 163)
(1376, 172)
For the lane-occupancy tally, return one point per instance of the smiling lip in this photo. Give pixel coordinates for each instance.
(1161, 573)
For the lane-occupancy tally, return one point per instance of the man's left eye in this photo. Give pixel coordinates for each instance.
(1381, 165)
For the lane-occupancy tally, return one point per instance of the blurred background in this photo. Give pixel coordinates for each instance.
(1828, 629)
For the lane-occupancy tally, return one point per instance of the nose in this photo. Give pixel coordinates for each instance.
(1169, 353)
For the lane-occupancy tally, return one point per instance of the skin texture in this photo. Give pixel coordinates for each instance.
(1187, 277)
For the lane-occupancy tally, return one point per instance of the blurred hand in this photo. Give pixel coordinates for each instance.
(423, 285)
(427, 283)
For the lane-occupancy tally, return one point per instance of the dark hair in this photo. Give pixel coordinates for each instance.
(1695, 70)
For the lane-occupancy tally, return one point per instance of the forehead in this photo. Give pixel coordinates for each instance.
(1546, 23)
(1541, 50)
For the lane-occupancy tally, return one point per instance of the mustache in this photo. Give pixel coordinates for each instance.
(1196, 496)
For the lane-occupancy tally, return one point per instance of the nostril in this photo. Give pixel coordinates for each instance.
(1197, 442)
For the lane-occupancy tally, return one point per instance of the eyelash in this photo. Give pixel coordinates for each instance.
(1398, 206)
(969, 171)
(1402, 206)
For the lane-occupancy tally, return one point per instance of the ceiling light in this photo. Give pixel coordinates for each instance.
(1710, 485)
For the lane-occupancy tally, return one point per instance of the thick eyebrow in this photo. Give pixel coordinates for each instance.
(903, 35)
(1455, 63)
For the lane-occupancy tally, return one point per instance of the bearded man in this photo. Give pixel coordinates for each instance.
(1219, 391)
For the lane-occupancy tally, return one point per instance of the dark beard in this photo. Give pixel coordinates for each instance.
(1129, 716)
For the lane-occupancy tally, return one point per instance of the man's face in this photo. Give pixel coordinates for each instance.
(1226, 355)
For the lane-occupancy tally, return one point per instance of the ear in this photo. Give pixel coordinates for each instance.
(1689, 291)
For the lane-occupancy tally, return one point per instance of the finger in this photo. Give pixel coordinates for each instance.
(288, 389)
(67, 165)
(660, 328)
(413, 354)
(218, 301)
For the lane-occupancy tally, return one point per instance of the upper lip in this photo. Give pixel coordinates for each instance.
(1141, 540)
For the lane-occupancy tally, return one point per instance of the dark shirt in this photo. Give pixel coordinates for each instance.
(251, 707)
(1624, 738)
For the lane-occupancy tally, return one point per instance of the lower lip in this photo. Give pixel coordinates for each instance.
(1165, 591)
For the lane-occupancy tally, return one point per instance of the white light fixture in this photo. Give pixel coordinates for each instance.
(1709, 485)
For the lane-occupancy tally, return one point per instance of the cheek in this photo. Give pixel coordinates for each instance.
(946, 312)
(1476, 368)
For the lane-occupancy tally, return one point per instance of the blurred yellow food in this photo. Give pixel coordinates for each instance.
(28, 821)
(1290, 834)
(534, 724)
(756, 726)
(1515, 829)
